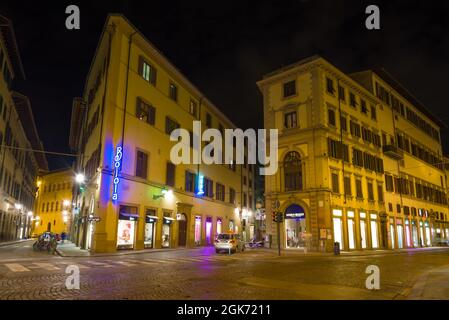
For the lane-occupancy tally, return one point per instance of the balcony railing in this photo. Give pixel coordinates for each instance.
(393, 152)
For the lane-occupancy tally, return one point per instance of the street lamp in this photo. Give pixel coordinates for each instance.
(80, 178)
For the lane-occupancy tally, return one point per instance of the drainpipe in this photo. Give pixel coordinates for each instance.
(341, 141)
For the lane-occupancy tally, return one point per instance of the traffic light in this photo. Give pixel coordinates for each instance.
(273, 216)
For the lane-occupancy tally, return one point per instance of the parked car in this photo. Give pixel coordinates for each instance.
(229, 242)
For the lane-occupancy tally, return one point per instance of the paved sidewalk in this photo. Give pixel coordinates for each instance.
(9, 243)
(432, 285)
(299, 252)
(69, 249)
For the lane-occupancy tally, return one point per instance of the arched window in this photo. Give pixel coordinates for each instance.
(292, 171)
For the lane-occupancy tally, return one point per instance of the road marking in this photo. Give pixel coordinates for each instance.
(159, 261)
(75, 264)
(143, 262)
(125, 263)
(46, 266)
(99, 264)
(16, 267)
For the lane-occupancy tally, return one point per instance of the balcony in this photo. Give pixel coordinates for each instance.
(393, 152)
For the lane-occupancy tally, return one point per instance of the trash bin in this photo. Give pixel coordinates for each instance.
(336, 248)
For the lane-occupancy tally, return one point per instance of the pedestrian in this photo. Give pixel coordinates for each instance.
(63, 236)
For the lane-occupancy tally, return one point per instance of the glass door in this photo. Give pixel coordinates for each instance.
(351, 234)
(374, 236)
(363, 233)
(400, 236)
(392, 236)
(338, 231)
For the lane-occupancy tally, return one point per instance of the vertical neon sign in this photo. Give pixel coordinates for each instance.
(200, 190)
(117, 164)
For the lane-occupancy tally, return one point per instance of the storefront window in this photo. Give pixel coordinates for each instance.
(166, 230)
(363, 230)
(400, 229)
(126, 227)
(197, 230)
(414, 234)
(407, 233)
(338, 227)
(428, 238)
(295, 227)
(351, 230)
(209, 230)
(392, 235)
(231, 225)
(421, 234)
(219, 226)
(150, 223)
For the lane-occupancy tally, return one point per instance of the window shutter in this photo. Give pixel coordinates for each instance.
(140, 65)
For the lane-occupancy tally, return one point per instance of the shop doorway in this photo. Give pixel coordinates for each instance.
(208, 231)
(182, 230)
(400, 236)
(126, 227)
(150, 226)
(392, 236)
(363, 234)
(351, 234)
(296, 227)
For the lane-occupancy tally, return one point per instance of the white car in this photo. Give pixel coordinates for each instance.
(229, 242)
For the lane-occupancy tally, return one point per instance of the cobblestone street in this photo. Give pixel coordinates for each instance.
(202, 274)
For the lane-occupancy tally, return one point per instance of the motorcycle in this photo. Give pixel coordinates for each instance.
(255, 244)
(46, 242)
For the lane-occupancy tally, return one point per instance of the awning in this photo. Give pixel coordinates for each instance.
(128, 216)
(152, 217)
(168, 218)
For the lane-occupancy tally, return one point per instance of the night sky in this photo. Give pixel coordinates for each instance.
(224, 47)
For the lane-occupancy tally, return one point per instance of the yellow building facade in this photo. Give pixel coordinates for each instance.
(18, 135)
(360, 161)
(133, 196)
(54, 202)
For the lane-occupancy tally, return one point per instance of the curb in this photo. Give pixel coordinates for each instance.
(10, 243)
(62, 254)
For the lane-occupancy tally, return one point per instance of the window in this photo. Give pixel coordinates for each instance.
(366, 134)
(208, 120)
(173, 91)
(331, 117)
(341, 93)
(380, 193)
(343, 123)
(336, 150)
(290, 120)
(358, 187)
(363, 107)
(406, 211)
(170, 125)
(398, 208)
(145, 112)
(330, 86)
(43, 207)
(245, 200)
(292, 171)
(231, 196)
(354, 128)
(208, 188)
(142, 165)
(193, 107)
(147, 71)
(389, 183)
(170, 178)
(347, 185)
(352, 101)
(357, 157)
(220, 193)
(190, 181)
(390, 207)
(57, 206)
(289, 88)
(335, 184)
(370, 191)
(373, 112)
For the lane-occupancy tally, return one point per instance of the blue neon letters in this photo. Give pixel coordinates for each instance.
(117, 164)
